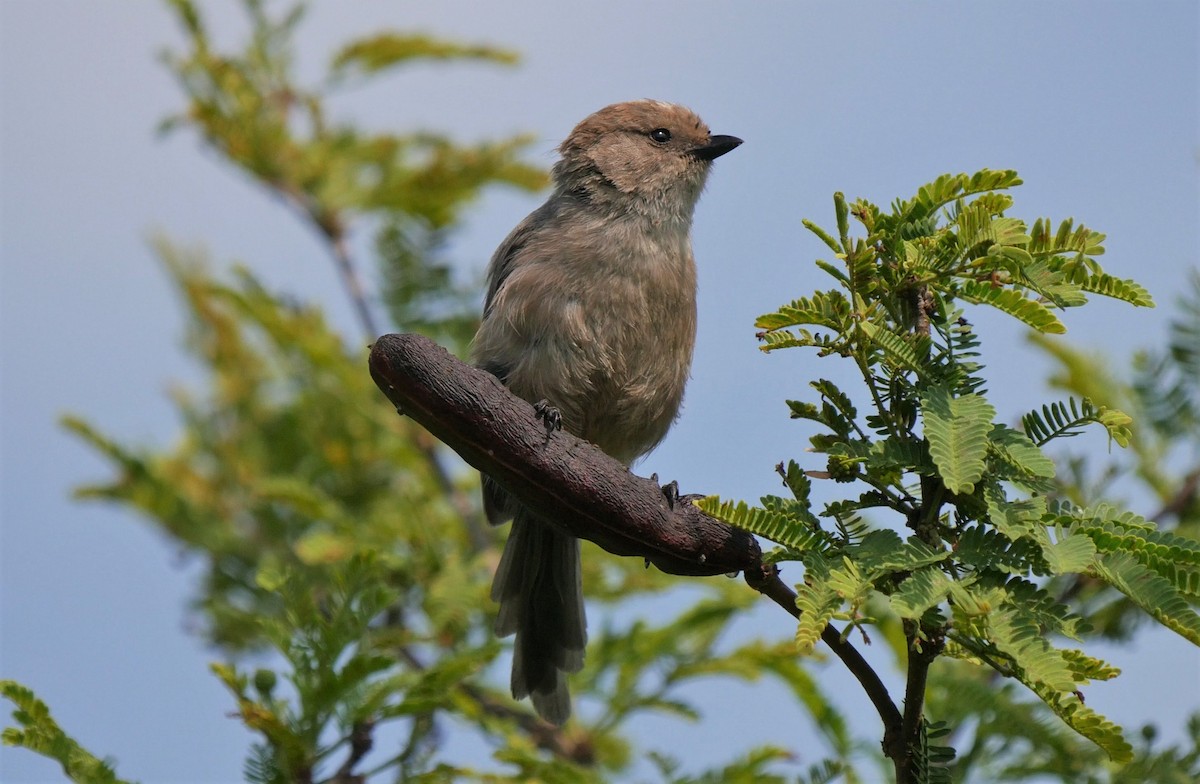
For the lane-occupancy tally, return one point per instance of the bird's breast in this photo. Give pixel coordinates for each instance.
(604, 330)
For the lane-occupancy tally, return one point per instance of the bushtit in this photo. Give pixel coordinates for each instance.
(591, 313)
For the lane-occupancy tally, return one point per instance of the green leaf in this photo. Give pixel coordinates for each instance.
(796, 508)
(899, 350)
(1126, 520)
(1070, 555)
(903, 454)
(1051, 283)
(921, 591)
(786, 529)
(386, 50)
(802, 410)
(40, 733)
(799, 483)
(931, 760)
(837, 398)
(1019, 637)
(1068, 239)
(1014, 303)
(984, 549)
(1123, 289)
(977, 224)
(949, 187)
(957, 430)
(833, 272)
(828, 309)
(1052, 616)
(1015, 518)
(842, 211)
(1018, 451)
(1117, 424)
(1063, 420)
(824, 591)
(881, 551)
(1150, 591)
(1087, 668)
(824, 237)
(1174, 557)
(976, 601)
(1088, 723)
(783, 338)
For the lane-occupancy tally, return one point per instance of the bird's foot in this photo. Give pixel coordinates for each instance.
(670, 490)
(551, 417)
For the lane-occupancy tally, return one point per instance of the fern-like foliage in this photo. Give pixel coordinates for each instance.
(1066, 419)
(1149, 590)
(920, 592)
(789, 529)
(1014, 451)
(1011, 301)
(1167, 382)
(823, 309)
(882, 551)
(969, 575)
(1018, 636)
(40, 733)
(933, 759)
(1087, 722)
(957, 430)
(827, 588)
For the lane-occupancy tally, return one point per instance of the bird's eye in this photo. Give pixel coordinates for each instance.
(660, 135)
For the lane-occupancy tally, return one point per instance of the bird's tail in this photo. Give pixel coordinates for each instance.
(539, 588)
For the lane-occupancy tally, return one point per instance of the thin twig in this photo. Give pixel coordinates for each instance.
(361, 740)
(331, 229)
(544, 735)
(768, 582)
(348, 272)
(1183, 497)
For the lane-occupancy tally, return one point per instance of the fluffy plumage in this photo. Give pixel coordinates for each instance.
(591, 306)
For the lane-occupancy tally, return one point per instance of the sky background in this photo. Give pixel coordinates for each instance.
(1095, 104)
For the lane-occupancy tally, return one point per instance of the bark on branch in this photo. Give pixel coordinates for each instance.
(574, 485)
(566, 480)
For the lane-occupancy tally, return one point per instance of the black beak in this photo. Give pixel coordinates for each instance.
(716, 147)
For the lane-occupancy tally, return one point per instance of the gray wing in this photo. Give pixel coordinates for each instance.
(503, 260)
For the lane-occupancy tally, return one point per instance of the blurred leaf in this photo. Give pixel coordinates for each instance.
(386, 50)
(40, 733)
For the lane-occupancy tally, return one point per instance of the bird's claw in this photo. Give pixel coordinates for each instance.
(670, 491)
(551, 417)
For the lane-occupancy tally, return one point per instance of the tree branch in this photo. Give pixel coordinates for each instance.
(1182, 499)
(567, 481)
(766, 581)
(361, 741)
(580, 489)
(331, 228)
(352, 282)
(925, 644)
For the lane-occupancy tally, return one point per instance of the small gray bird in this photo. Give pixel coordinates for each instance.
(591, 313)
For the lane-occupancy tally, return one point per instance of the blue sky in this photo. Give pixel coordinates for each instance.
(1094, 103)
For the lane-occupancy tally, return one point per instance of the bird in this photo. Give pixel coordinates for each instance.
(590, 313)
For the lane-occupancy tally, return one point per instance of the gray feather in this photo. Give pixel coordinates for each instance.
(539, 588)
